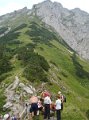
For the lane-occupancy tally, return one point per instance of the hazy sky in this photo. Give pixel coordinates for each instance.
(7, 6)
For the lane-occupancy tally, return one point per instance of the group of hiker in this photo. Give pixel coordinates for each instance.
(42, 104)
(45, 105)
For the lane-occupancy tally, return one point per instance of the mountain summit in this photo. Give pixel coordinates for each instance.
(72, 25)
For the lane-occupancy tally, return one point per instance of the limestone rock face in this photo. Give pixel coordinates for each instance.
(72, 25)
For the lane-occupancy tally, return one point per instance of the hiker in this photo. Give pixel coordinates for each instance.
(52, 106)
(14, 118)
(52, 110)
(47, 102)
(6, 117)
(58, 107)
(63, 99)
(44, 94)
(34, 106)
(40, 106)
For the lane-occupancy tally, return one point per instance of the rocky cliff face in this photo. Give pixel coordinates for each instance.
(72, 25)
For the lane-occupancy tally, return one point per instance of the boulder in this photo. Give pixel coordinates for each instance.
(7, 105)
(26, 88)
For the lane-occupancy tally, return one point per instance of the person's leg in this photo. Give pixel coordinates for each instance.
(35, 108)
(58, 112)
(45, 111)
(48, 111)
(31, 112)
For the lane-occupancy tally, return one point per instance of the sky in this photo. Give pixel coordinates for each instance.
(7, 6)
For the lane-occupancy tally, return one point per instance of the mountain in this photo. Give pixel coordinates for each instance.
(34, 56)
(72, 25)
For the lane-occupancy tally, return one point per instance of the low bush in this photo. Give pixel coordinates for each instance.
(36, 65)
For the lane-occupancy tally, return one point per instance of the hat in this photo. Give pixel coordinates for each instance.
(6, 116)
(59, 92)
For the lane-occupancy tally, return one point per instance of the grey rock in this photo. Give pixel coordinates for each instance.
(16, 82)
(26, 88)
(72, 25)
(7, 105)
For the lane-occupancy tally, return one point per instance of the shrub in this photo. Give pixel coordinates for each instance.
(2, 101)
(80, 72)
(19, 27)
(35, 73)
(5, 65)
(3, 29)
(40, 34)
(36, 65)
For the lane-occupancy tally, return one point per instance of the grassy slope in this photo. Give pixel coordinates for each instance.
(77, 95)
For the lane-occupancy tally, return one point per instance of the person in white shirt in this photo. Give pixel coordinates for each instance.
(63, 99)
(47, 102)
(7, 117)
(58, 108)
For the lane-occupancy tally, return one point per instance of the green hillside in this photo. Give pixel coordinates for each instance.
(35, 52)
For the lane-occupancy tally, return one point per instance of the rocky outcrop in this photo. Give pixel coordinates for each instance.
(26, 88)
(15, 94)
(72, 25)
